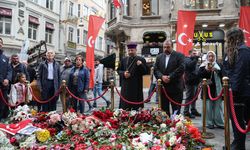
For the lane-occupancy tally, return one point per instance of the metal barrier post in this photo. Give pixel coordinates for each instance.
(226, 118)
(112, 95)
(26, 92)
(205, 134)
(64, 96)
(159, 92)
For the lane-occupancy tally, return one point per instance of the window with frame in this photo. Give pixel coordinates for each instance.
(85, 11)
(32, 31)
(245, 2)
(49, 4)
(85, 36)
(201, 4)
(70, 34)
(112, 11)
(78, 36)
(79, 10)
(5, 25)
(71, 5)
(93, 11)
(48, 35)
(150, 7)
(100, 43)
(126, 7)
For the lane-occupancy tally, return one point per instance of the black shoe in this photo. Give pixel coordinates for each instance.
(210, 126)
(187, 114)
(196, 113)
(108, 103)
(220, 127)
(94, 105)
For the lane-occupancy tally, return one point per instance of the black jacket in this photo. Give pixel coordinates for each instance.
(5, 68)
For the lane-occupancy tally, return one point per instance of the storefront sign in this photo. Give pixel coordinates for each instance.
(5, 12)
(151, 51)
(21, 20)
(71, 45)
(209, 36)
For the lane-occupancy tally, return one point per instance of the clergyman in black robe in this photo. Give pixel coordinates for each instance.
(131, 70)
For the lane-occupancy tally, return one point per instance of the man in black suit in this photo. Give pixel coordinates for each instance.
(169, 67)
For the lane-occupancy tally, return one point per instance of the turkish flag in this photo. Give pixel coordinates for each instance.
(185, 31)
(95, 24)
(116, 4)
(244, 23)
(14, 128)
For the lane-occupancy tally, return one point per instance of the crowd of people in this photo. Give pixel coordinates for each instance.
(177, 72)
(174, 69)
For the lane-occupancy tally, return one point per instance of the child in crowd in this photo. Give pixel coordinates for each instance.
(19, 92)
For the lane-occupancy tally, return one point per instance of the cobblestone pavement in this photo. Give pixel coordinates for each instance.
(217, 142)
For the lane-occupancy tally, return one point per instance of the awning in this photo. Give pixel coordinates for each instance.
(5, 11)
(49, 26)
(34, 20)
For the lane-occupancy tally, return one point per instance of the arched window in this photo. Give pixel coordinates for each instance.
(150, 7)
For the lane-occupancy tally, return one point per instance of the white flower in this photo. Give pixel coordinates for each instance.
(5, 142)
(179, 124)
(145, 137)
(172, 140)
(133, 113)
(29, 142)
(163, 125)
(141, 146)
(157, 141)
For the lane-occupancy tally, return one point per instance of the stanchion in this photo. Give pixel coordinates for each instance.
(112, 95)
(64, 95)
(226, 118)
(205, 134)
(159, 92)
(26, 92)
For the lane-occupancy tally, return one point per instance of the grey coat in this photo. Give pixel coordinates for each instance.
(43, 75)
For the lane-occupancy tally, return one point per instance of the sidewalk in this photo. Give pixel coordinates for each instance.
(217, 142)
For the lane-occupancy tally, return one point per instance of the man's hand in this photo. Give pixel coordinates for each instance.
(165, 79)
(138, 62)
(5, 82)
(126, 74)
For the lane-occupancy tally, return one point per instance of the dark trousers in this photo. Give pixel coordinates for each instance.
(74, 102)
(4, 109)
(177, 97)
(47, 93)
(240, 109)
(190, 93)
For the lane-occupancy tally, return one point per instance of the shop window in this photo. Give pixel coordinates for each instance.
(100, 43)
(150, 7)
(79, 10)
(32, 31)
(5, 25)
(245, 2)
(201, 4)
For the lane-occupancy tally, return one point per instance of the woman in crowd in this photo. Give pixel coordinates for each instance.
(79, 83)
(210, 70)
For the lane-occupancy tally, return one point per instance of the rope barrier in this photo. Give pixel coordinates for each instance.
(6, 103)
(234, 115)
(188, 103)
(135, 103)
(210, 96)
(86, 100)
(45, 101)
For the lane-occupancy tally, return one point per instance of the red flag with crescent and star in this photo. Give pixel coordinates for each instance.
(116, 4)
(95, 24)
(185, 31)
(244, 23)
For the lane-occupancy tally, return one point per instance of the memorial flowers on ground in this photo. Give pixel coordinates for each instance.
(106, 129)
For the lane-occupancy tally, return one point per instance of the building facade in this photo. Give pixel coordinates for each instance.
(36, 20)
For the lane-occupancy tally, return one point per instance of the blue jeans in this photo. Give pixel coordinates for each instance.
(98, 90)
